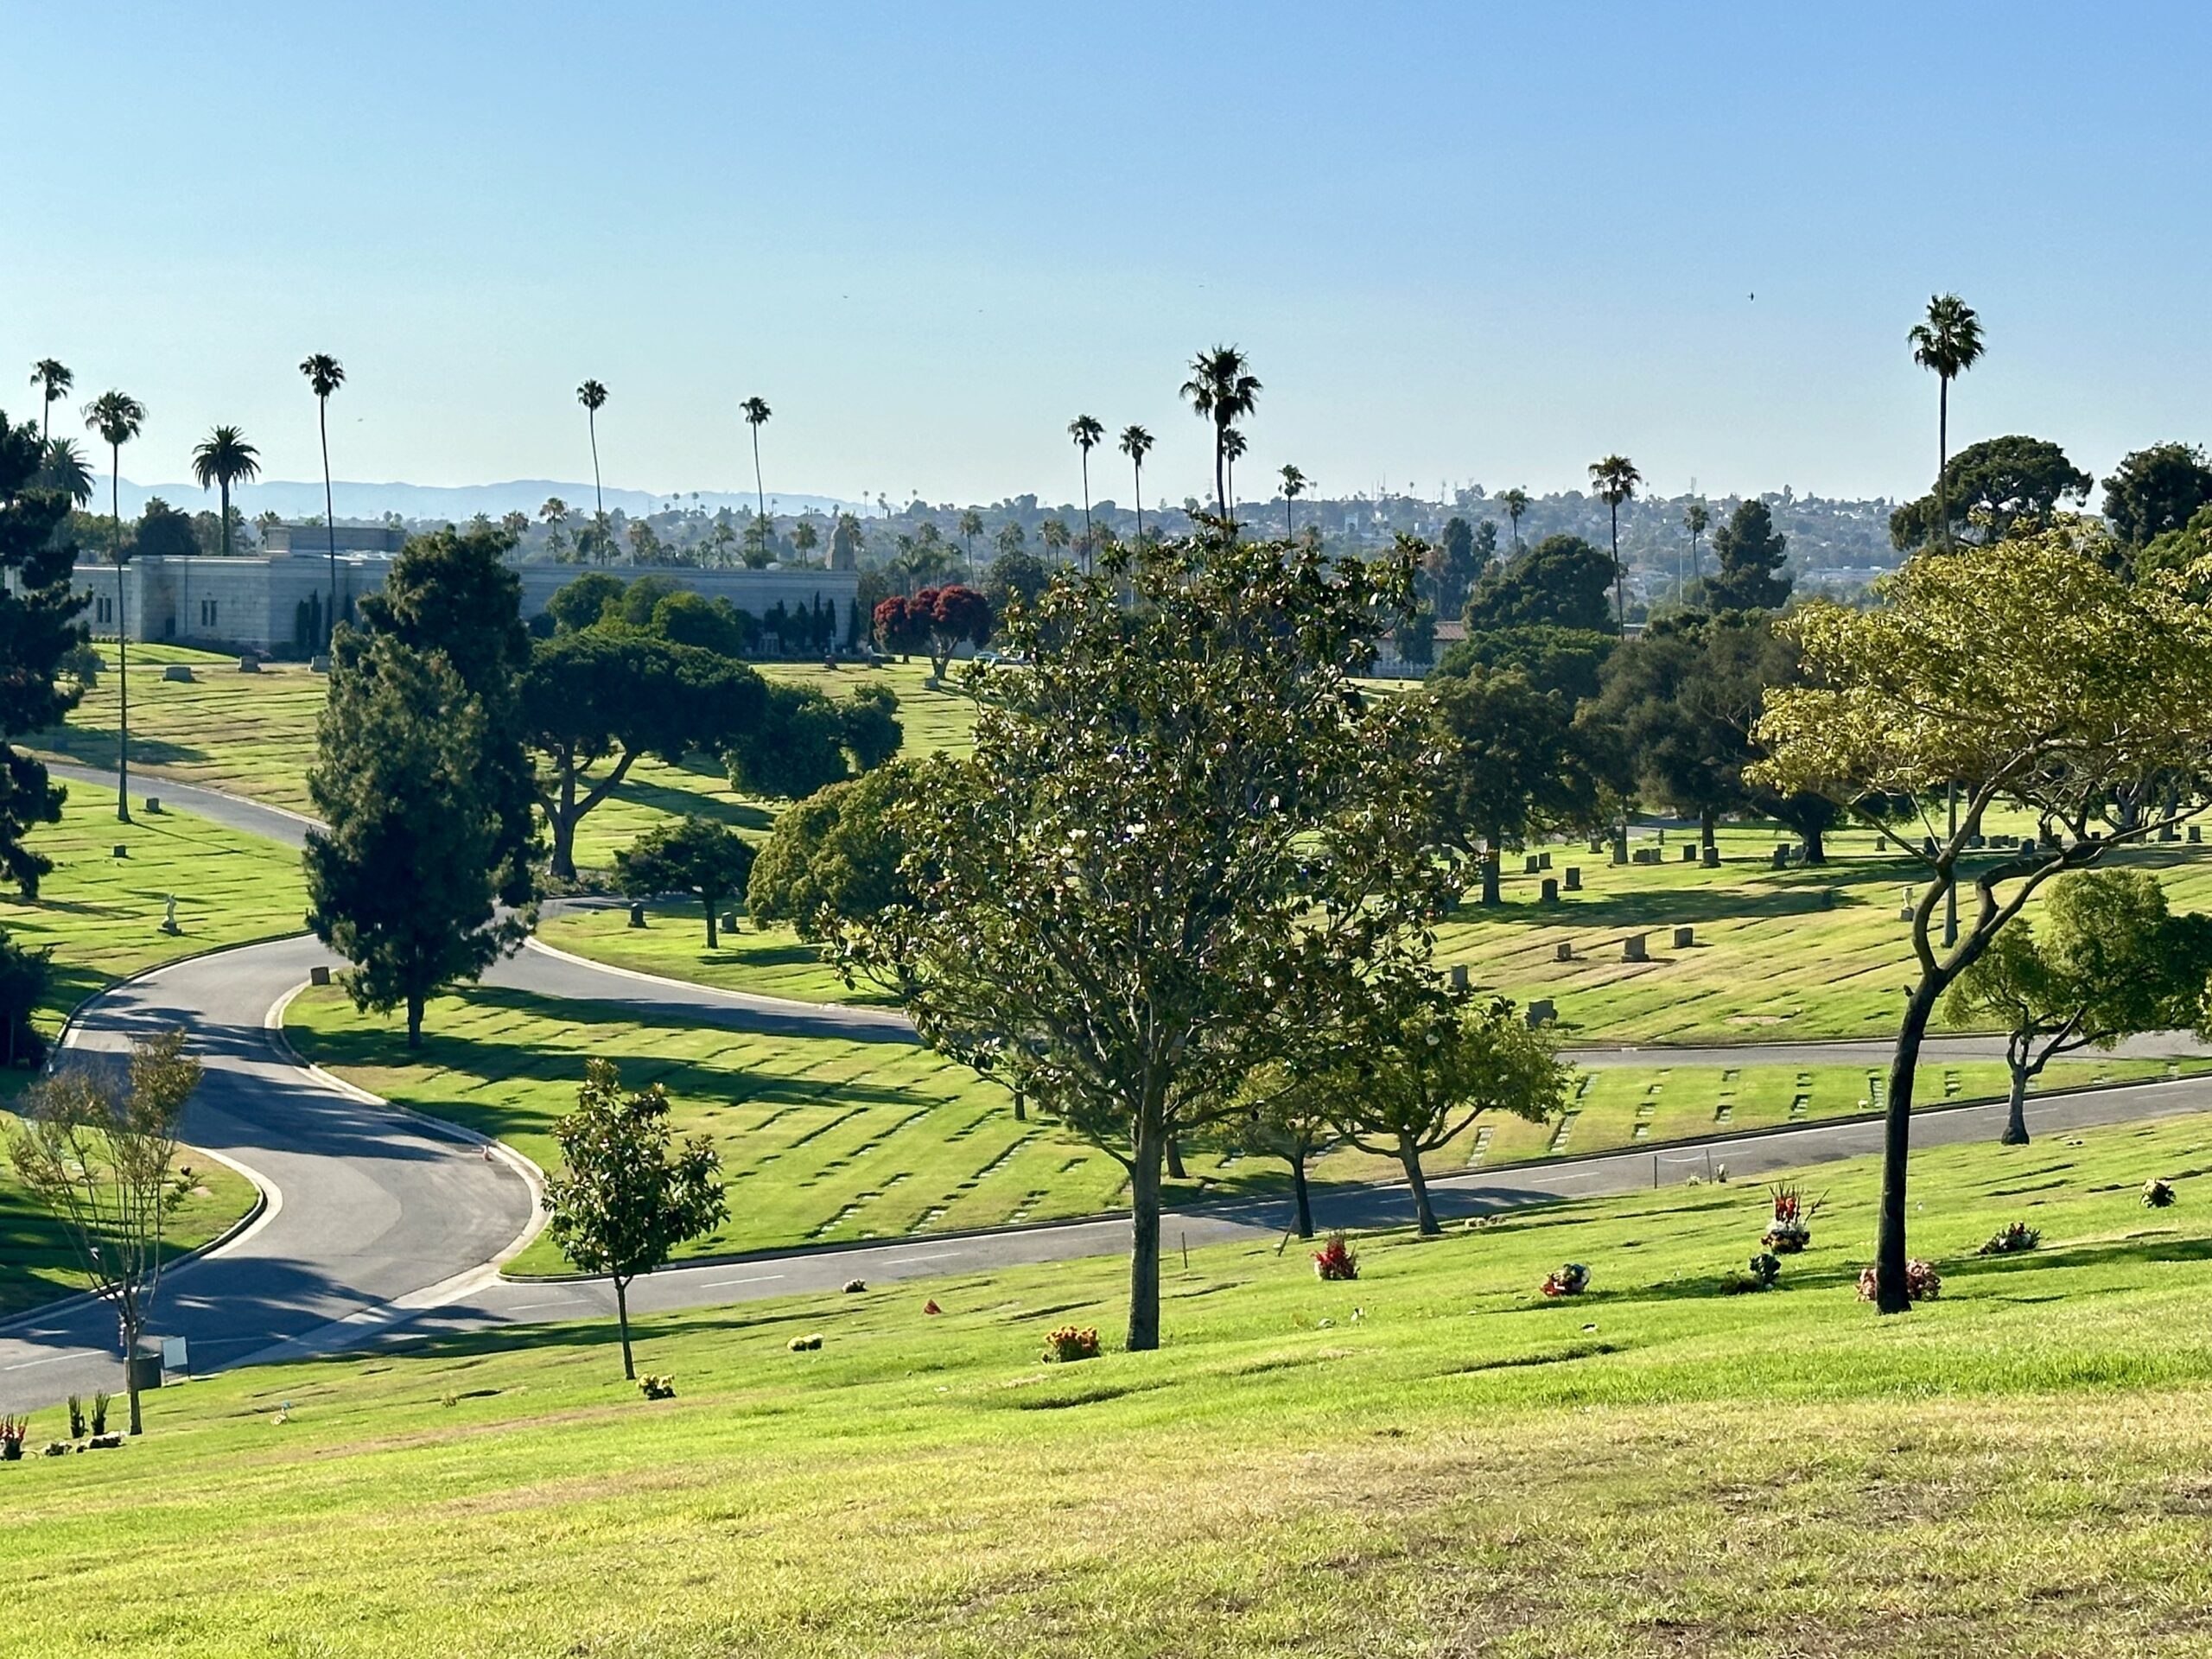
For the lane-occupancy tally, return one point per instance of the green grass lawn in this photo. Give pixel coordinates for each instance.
(1433, 1460)
(771, 961)
(824, 1139)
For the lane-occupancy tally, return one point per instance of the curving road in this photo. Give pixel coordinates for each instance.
(378, 1221)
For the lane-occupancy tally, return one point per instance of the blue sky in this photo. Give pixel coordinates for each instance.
(1459, 242)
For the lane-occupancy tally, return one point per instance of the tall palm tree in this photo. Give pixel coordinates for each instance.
(1949, 342)
(225, 458)
(592, 397)
(1615, 479)
(1053, 532)
(325, 375)
(1232, 451)
(1695, 518)
(971, 527)
(54, 381)
(118, 417)
(1516, 503)
(1086, 432)
(1137, 444)
(756, 416)
(61, 467)
(1222, 389)
(1294, 485)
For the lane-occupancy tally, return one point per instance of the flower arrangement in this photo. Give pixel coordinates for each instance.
(1922, 1283)
(76, 1418)
(1792, 1227)
(2158, 1194)
(1336, 1258)
(854, 1286)
(1765, 1270)
(1570, 1280)
(100, 1399)
(658, 1385)
(804, 1344)
(1071, 1343)
(2018, 1236)
(12, 1430)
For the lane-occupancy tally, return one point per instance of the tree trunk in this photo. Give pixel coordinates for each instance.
(121, 684)
(1951, 892)
(1707, 820)
(1425, 1216)
(1300, 1197)
(2016, 1118)
(1021, 1108)
(1490, 872)
(1897, 1147)
(415, 1020)
(1816, 850)
(622, 1319)
(713, 941)
(1620, 577)
(1144, 1241)
(329, 517)
(131, 1376)
(1175, 1170)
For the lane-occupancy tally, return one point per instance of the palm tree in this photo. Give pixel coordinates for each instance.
(54, 381)
(1516, 503)
(1054, 533)
(225, 458)
(1232, 451)
(1949, 342)
(1694, 520)
(118, 417)
(971, 527)
(325, 375)
(1137, 444)
(592, 397)
(756, 416)
(1086, 432)
(1222, 389)
(1294, 485)
(61, 467)
(1615, 479)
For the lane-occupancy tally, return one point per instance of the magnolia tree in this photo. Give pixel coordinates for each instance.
(1185, 839)
(2032, 676)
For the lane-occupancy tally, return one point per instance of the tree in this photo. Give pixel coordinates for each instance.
(1294, 485)
(970, 525)
(1232, 451)
(452, 593)
(1088, 434)
(2107, 962)
(693, 854)
(2034, 675)
(1184, 832)
(1567, 661)
(1459, 557)
(1423, 1059)
(54, 381)
(806, 539)
(797, 746)
(325, 374)
(872, 732)
(1222, 389)
(1679, 704)
(40, 625)
(833, 859)
(621, 1205)
(1511, 761)
(222, 459)
(162, 532)
(947, 619)
(1615, 479)
(757, 411)
(1560, 581)
(2156, 491)
(403, 882)
(1015, 575)
(1286, 1116)
(1997, 488)
(1137, 444)
(592, 397)
(1516, 503)
(599, 699)
(118, 417)
(101, 1162)
(1747, 553)
(25, 976)
(580, 604)
(1946, 342)
(1695, 518)
(1053, 532)
(61, 467)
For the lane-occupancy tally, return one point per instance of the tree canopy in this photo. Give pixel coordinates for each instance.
(691, 854)
(40, 626)
(2156, 491)
(1992, 490)
(834, 858)
(1562, 582)
(1747, 554)
(1511, 762)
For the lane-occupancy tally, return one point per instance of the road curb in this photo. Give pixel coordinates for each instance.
(779, 1008)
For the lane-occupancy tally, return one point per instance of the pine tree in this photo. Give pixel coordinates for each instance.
(38, 627)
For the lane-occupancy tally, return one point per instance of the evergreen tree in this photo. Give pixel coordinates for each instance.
(38, 628)
(1748, 552)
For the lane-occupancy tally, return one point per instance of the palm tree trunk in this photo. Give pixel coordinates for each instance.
(123, 672)
(1620, 586)
(329, 519)
(597, 495)
(1220, 466)
(759, 493)
(1086, 513)
(1942, 455)
(1140, 487)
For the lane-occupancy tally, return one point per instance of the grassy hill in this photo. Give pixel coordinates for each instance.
(1434, 1459)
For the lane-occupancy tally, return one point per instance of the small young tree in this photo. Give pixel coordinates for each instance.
(620, 1203)
(709, 861)
(1286, 1117)
(99, 1161)
(404, 882)
(2031, 674)
(1424, 1060)
(2107, 961)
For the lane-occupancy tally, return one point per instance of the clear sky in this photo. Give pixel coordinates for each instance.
(1460, 243)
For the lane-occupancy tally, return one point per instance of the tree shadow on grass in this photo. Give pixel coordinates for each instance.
(1665, 907)
(665, 797)
(99, 748)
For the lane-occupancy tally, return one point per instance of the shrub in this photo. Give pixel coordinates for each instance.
(2018, 1236)
(1071, 1343)
(1335, 1260)
(2158, 1194)
(657, 1385)
(76, 1418)
(1571, 1280)
(100, 1399)
(1922, 1283)
(805, 1344)
(1791, 1230)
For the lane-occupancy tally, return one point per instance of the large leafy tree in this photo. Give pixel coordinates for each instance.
(593, 703)
(620, 1204)
(2106, 959)
(1989, 490)
(118, 417)
(799, 743)
(1747, 555)
(834, 859)
(1510, 761)
(2156, 491)
(1185, 835)
(1551, 658)
(1614, 479)
(947, 619)
(2037, 678)
(1224, 390)
(403, 882)
(40, 625)
(325, 374)
(453, 593)
(709, 861)
(1946, 342)
(1561, 582)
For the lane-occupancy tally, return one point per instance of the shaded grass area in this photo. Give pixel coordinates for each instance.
(826, 1140)
(37, 1263)
(1434, 1459)
(769, 961)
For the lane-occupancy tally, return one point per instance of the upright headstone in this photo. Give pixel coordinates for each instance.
(2196, 833)
(319, 664)
(1541, 1011)
(1689, 852)
(319, 974)
(1549, 894)
(1632, 949)
(1543, 861)
(1459, 976)
(249, 664)
(637, 915)
(1566, 951)
(178, 671)
(1528, 865)
(1685, 938)
(1596, 843)
(1574, 878)
(1710, 857)
(1781, 858)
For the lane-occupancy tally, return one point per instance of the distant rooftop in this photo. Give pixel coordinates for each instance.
(317, 539)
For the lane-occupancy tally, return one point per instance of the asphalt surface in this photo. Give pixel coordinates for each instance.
(381, 1226)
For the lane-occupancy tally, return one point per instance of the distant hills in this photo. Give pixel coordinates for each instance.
(300, 499)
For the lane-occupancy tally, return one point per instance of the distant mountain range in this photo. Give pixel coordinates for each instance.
(456, 502)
